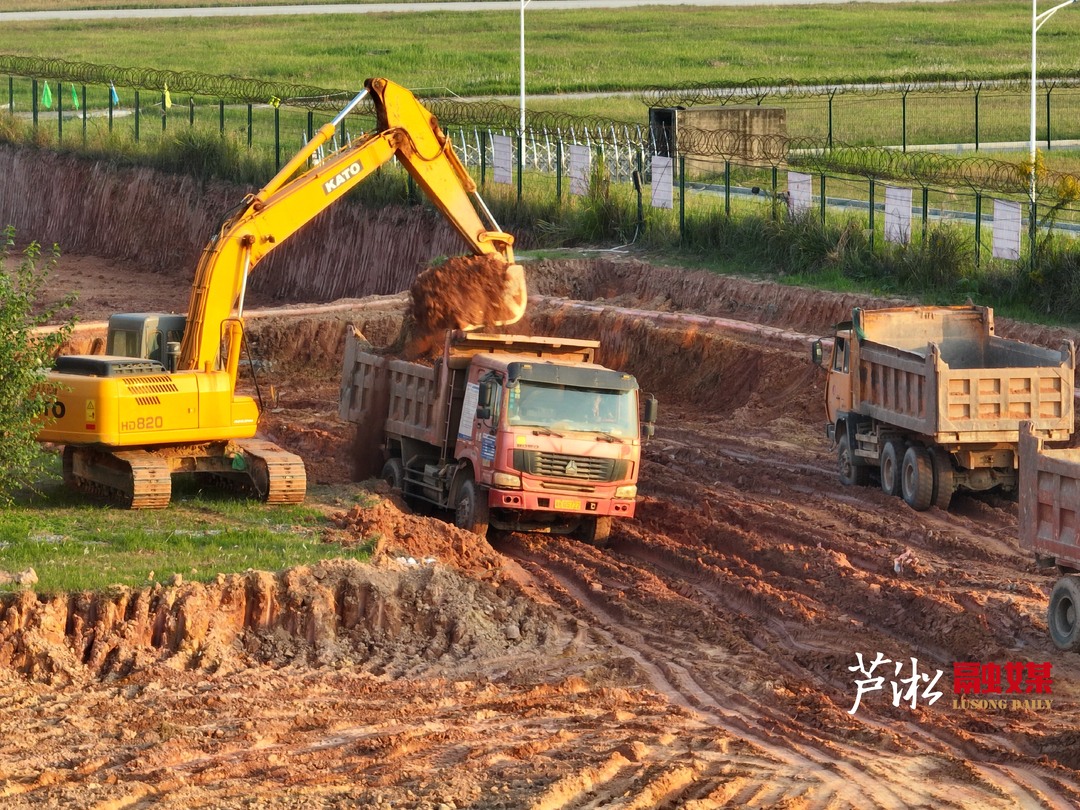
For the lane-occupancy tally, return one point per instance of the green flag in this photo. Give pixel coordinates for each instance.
(74, 97)
(46, 97)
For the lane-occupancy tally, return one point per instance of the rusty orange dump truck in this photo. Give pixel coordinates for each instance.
(931, 400)
(1049, 522)
(519, 433)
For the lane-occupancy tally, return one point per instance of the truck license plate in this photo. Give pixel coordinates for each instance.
(567, 503)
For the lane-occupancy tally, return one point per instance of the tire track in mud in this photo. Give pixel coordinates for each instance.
(792, 749)
(789, 754)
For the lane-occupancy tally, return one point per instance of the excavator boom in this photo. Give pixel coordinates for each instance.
(406, 131)
(129, 423)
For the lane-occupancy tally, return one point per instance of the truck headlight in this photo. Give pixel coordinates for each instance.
(629, 491)
(507, 481)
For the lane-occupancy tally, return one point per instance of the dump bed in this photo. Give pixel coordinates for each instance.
(404, 397)
(942, 372)
(420, 402)
(1049, 500)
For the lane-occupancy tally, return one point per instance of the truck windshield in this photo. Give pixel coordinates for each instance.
(563, 408)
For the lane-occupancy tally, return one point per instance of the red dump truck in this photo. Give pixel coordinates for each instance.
(931, 400)
(519, 433)
(1049, 524)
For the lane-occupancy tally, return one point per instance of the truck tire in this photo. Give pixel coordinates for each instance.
(596, 531)
(891, 462)
(393, 473)
(1063, 615)
(917, 478)
(471, 509)
(851, 474)
(944, 477)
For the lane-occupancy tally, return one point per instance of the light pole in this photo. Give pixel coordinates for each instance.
(1037, 21)
(521, 128)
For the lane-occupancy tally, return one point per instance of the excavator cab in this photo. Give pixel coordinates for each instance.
(146, 335)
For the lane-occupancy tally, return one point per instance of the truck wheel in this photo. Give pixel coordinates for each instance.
(596, 531)
(393, 473)
(891, 460)
(1063, 616)
(944, 477)
(851, 474)
(917, 478)
(471, 509)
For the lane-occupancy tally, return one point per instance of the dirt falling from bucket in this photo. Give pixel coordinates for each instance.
(464, 291)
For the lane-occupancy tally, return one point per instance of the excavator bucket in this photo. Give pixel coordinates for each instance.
(514, 296)
(465, 292)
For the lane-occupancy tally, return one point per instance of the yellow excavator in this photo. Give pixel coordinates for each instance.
(163, 400)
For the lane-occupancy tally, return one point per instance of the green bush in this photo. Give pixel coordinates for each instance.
(24, 352)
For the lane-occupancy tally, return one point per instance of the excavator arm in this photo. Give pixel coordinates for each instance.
(405, 130)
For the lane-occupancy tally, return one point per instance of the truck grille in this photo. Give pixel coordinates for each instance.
(557, 465)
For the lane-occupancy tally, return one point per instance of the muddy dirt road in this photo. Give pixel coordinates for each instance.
(708, 658)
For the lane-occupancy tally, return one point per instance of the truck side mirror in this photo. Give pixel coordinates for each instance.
(817, 354)
(483, 406)
(648, 423)
(652, 408)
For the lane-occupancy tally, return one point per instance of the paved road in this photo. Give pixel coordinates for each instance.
(382, 8)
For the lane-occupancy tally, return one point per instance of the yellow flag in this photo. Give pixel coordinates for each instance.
(168, 98)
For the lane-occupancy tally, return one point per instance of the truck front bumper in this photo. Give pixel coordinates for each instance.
(564, 503)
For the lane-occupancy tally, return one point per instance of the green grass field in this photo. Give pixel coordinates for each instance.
(471, 53)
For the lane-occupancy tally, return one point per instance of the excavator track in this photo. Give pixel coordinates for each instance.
(277, 475)
(134, 478)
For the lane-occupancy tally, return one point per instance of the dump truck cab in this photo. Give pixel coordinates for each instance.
(838, 380)
(547, 439)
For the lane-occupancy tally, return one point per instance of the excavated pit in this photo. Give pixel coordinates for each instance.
(703, 660)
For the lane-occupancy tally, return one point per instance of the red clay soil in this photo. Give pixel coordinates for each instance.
(707, 658)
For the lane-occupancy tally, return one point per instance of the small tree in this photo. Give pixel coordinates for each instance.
(25, 350)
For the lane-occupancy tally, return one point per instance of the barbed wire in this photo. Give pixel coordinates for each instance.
(228, 88)
(759, 90)
(811, 154)
(920, 168)
(450, 111)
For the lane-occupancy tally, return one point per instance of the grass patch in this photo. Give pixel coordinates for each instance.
(74, 543)
(470, 53)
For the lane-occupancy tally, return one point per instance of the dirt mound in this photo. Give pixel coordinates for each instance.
(402, 535)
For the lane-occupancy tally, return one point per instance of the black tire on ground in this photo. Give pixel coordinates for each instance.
(851, 474)
(917, 478)
(393, 473)
(890, 461)
(1063, 616)
(471, 509)
(595, 531)
(944, 477)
